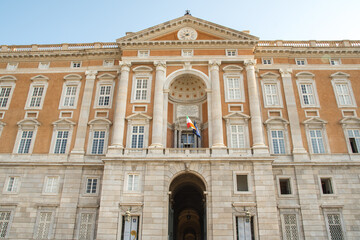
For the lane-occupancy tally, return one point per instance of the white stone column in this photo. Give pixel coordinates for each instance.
(165, 118)
(120, 107)
(258, 146)
(298, 151)
(158, 113)
(216, 113)
(79, 147)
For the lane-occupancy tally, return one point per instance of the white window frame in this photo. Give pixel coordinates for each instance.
(126, 183)
(44, 65)
(108, 62)
(7, 182)
(138, 119)
(238, 118)
(333, 186)
(55, 186)
(187, 52)
(76, 64)
(62, 125)
(350, 123)
(327, 211)
(7, 82)
(137, 135)
(249, 182)
(308, 79)
(104, 80)
(91, 194)
(10, 209)
(335, 61)
(71, 80)
(143, 53)
(343, 78)
(98, 124)
(278, 124)
(12, 66)
(278, 178)
(300, 60)
(52, 227)
(267, 61)
(141, 72)
(273, 79)
(289, 211)
(37, 81)
(316, 124)
(26, 125)
(79, 222)
(231, 52)
(234, 72)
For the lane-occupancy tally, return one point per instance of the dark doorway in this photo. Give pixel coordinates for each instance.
(187, 208)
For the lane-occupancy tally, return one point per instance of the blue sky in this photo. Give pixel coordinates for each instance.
(87, 21)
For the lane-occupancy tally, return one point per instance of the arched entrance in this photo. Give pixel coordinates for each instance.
(187, 208)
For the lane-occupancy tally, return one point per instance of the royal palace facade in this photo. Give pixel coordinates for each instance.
(94, 142)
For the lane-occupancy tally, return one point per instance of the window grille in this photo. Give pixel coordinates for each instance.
(44, 225)
(86, 226)
(291, 229)
(4, 223)
(335, 227)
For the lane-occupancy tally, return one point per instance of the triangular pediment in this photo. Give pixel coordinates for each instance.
(314, 120)
(168, 31)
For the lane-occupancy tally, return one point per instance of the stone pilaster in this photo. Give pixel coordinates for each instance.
(79, 147)
(112, 185)
(258, 146)
(158, 113)
(216, 113)
(298, 148)
(68, 203)
(120, 108)
(267, 213)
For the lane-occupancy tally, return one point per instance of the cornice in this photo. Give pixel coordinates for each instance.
(309, 50)
(189, 43)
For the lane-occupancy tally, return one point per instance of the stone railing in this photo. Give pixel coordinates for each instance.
(311, 43)
(57, 47)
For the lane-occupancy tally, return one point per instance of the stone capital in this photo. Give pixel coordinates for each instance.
(214, 64)
(160, 65)
(285, 72)
(91, 74)
(125, 66)
(250, 64)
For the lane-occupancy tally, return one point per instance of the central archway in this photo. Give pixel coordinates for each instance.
(187, 208)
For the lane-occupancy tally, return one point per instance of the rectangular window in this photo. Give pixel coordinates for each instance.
(13, 184)
(343, 94)
(300, 61)
(98, 142)
(187, 53)
(130, 228)
(233, 88)
(70, 96)
(36, 96)
(266, 61)
(44, 225)
(242, 183)
(354, 139)
(231, 53)
(104, 95)
(44, 65)
(51, 184)
(290, 227)
(237, 136)
(335, 227)
(4, 96)
(133, 182)
(91, 185)
(317, 142)
(144, 53)
(326, 186)
(335, 61)
(307, 93)
(187, 140)
(278, 141)
(86, 226)
(141, 88)
(271, 95)
(61, 141)
(5, 217)
(285, 187)
(137, 137)
(245, 228)
(76, 64)
(25, 141)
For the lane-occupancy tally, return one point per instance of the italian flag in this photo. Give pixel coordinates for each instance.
(189, 123)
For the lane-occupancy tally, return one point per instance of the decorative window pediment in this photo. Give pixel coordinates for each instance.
(39, 78)
(106, 76)
(315, 121)
(138, 130)
(8, 78)
(278, 136)
(343, 90)
(237, 116)
(351, 127)
(346, 121)
(72, 77)
(307, 90)
(237, 132)
(70, 91)
(7, 85)
(98, 136)
(340, 75)
(270, 75)
(232, 69)
(142, 69)
(28, 123)
(271, 90)
(27, 129)
(306, 75)
(276, 121)
(316, 135)
(141, 84)
(139, 117)
(100, 121)
(234, 84)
